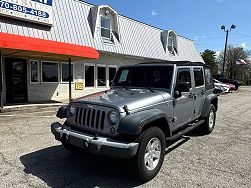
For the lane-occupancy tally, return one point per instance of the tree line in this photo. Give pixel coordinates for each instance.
(233, 69)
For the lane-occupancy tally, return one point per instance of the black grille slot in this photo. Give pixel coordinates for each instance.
(88, 118)
(80, 117)
(76, 117)
(102, 120)
(93, 116)
(97, 119)
(84, 117)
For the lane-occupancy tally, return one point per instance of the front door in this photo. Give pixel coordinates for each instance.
(183, 111)
(16, 80)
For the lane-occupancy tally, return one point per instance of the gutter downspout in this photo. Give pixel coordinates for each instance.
(1, 81)
(70, 75)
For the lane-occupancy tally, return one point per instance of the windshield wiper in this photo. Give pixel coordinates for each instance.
(126, 87)
(150, 89)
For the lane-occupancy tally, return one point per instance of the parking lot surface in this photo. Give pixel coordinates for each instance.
(31, 157)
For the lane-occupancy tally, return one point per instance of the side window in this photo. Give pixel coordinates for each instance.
(105, 27)
(198, 77)
(101, 75)
(208, 76)
(50, 72)
(112, 72)
(34, 71)
(65, 72)
(89, 75)
(184, 75)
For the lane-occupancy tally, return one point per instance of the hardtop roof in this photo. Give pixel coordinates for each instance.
(168, 63)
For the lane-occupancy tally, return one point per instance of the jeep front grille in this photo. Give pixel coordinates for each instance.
(90, 118)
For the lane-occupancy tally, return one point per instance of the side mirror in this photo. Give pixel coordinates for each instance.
(181, 87)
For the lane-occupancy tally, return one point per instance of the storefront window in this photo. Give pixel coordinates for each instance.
(89, 75)
(34, 71)
(101, 76)
(65, 72)
(112, 72)
(49, 72)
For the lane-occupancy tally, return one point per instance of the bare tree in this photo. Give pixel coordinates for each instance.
(233, 70)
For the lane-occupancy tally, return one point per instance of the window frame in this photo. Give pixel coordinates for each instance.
(101, 65)
(110, 29)
(61, 73)
(203, 77)
(94, 77)
(191, 77)
(38, 72)
(41, 72)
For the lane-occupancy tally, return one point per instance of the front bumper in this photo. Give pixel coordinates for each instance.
(97, 145)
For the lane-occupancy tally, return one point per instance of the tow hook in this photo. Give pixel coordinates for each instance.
(65, 138)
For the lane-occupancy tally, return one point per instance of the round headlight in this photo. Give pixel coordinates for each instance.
(113, 116)
(72, 110)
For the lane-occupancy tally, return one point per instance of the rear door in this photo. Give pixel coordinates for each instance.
(199, 90)
(183, 111)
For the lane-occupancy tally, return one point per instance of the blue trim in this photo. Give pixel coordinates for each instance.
(46, 2)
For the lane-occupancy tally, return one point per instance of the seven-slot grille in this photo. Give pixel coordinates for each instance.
(90, 118)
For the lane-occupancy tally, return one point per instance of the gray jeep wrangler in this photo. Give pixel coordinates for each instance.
(148, 106)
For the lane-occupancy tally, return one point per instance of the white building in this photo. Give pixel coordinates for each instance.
(37, 39)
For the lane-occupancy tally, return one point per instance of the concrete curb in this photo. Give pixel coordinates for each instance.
(16, 108)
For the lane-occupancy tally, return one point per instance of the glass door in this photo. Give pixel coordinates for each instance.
(16, 80)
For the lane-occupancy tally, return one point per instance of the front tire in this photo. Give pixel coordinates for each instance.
(209, 124)
(151, 152)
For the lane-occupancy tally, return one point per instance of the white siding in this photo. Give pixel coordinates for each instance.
(73, 24)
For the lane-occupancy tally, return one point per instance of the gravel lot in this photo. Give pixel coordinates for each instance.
(31, 157)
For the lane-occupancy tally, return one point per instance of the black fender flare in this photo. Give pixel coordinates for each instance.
(133, 124)
(209, 100)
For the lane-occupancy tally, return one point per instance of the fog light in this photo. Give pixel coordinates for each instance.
(112, 130)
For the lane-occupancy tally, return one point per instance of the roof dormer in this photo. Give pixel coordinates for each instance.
(105, 23)
(169, 41)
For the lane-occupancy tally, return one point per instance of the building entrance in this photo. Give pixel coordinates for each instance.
(16, 80)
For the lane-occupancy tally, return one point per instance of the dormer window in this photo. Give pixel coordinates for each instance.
(169, 41)
(105, 23)
(105, 27)
(170, 45)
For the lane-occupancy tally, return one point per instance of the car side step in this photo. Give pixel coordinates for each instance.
(186, 130)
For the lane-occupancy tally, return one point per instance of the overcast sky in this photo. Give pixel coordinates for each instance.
(199, 20)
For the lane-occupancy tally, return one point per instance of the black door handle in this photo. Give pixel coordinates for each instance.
(191, 95)
(202, 92)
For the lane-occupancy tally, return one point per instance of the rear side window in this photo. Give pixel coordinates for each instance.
(183, 75)
(198, 77)
(208, 76)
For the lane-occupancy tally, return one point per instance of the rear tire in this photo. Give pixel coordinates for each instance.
(151, 152)
(236, 87)
(209, 124)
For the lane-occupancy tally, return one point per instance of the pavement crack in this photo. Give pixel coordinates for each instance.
(13, 132)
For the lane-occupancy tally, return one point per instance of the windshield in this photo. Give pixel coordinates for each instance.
(144, 76)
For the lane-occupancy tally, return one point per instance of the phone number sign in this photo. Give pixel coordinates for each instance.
(39, 11)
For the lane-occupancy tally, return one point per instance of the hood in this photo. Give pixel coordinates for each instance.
(133, 98)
